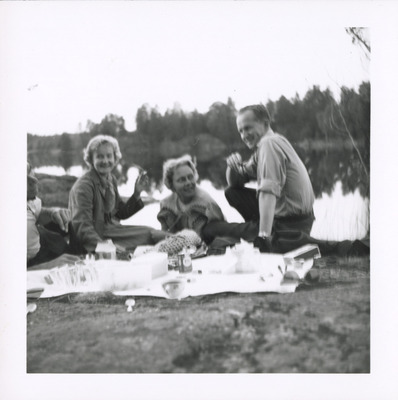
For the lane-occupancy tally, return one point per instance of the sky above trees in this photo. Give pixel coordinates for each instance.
(81, 61)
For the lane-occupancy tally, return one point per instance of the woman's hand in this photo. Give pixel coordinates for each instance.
(61, 217)
(141, 183)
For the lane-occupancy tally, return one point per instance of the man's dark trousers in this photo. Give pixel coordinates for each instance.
(245, 201)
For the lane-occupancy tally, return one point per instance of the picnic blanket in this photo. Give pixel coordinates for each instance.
(241, 271)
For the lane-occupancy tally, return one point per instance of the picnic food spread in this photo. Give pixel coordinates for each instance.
(241, 269)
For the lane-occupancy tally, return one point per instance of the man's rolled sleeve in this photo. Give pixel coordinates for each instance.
(269, 186)
(271, 168)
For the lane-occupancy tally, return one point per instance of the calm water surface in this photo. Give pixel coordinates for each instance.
(338, 216)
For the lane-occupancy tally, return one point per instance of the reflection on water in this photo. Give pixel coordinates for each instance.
(341, 216)
(327, 163)
(338, 216)
(75, 170)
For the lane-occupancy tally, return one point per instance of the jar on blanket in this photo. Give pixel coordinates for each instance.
(106, 250)
(184, 261)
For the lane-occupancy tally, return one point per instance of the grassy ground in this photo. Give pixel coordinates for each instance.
(322, 328)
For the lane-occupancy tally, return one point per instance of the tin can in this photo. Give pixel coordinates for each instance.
(173, 263)
(184, 263)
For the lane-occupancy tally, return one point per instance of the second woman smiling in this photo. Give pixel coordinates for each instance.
(95, 204)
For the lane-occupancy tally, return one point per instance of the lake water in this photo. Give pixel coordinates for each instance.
(338, 216)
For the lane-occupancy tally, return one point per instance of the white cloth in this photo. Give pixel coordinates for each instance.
(217, 275)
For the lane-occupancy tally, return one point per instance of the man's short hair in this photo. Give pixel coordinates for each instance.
(260, 112)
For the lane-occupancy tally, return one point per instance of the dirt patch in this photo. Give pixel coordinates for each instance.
(322, 328)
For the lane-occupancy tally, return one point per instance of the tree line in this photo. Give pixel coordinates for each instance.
(316, 125)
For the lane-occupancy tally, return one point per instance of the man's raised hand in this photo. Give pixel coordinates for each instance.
(234, 161)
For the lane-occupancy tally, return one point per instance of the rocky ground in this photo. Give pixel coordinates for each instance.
(323, 327)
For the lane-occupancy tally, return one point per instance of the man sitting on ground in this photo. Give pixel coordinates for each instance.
(282, 204)
(284, 196)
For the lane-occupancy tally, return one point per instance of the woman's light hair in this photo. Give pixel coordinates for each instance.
(171, 165)
(97, 141)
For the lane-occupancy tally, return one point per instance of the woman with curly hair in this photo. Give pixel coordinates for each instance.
(95, 204)
(188, 207)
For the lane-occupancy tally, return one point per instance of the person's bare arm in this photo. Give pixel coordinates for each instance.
(266, 202)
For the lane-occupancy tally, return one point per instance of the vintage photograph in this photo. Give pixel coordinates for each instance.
(198, 189)
(205, 151)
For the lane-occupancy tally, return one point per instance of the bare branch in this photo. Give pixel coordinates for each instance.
(358, 37)
(352, 140)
